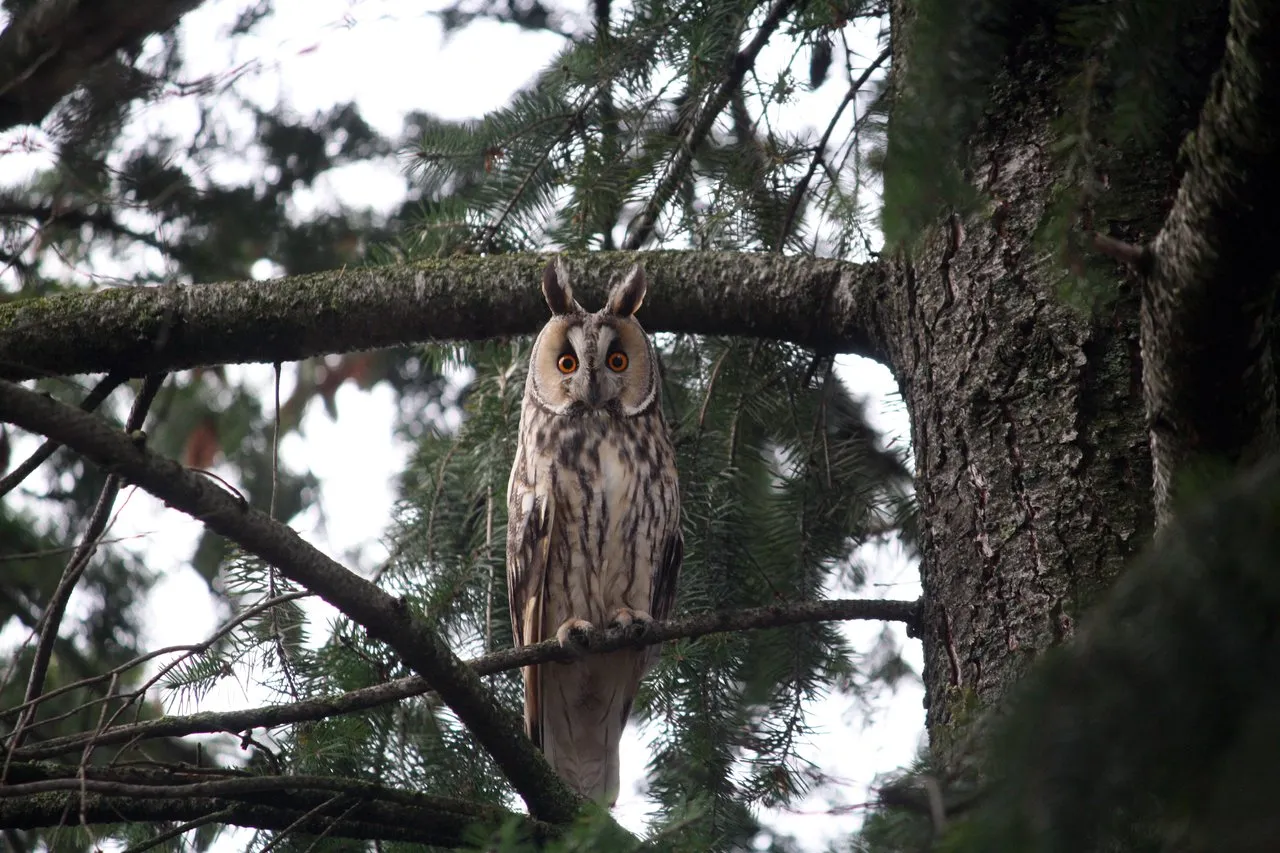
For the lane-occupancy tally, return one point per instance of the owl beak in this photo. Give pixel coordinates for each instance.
(593, 393)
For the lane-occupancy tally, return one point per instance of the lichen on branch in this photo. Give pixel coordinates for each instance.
(828, 305)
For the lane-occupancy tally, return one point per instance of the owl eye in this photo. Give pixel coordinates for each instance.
(617, 361)
(567, 363)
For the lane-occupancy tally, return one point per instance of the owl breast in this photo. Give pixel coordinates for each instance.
(618, 510)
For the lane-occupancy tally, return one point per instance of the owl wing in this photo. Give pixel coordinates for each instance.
(530, 520)
(666, 573)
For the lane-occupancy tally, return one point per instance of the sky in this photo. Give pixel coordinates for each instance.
(390, 57)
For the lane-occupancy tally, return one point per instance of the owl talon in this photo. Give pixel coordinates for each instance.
(574, 635)
(634, 624)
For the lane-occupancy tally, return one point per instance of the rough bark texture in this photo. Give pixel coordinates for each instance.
(827, 305)
(52, 47)
(1033, 470)
(1207, 314)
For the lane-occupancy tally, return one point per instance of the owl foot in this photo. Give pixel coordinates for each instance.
(575, 635)
(633, 623)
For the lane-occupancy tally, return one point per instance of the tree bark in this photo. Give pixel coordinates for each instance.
(1033, 466)
(1207, 318)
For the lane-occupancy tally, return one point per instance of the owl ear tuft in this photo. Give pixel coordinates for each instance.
(557, 290)
(628, 295)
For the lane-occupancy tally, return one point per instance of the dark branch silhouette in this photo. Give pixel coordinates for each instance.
(43, 794)
(48, 49)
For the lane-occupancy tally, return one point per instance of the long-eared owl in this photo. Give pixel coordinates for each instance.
(593, 536)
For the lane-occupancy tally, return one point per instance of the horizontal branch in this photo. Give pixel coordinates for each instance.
(750, 619)
(368, 811)
(823, 304)
(496, 728)
(1208, 377)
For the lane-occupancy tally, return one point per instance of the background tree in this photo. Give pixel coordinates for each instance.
(1074, 313)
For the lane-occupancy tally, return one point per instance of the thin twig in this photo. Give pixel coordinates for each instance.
(641, 227)
(850, 96)
(599, 642)
(195, 648)
(302, 819)
(181, 829)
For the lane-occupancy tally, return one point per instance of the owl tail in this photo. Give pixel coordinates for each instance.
(576, 713)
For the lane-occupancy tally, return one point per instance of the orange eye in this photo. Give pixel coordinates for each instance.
(617, 361)
(567, 363)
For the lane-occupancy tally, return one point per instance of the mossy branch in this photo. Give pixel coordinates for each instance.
(823, 304)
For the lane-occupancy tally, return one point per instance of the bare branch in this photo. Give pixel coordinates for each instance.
(51, 621)
(641, 227)
(386, 618)
(750, 619)
(91, 401)
(1135, 257)
(1208, 376)
(820, 153)
(828, 305)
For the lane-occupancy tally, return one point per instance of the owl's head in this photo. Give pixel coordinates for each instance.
(599, 363)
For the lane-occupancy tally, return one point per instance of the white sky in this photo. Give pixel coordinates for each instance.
(390, 58)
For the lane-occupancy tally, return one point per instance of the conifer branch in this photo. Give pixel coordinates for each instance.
(820, 153)
(827, 305)
(641, 227)
(688, 627)
(1208, 377)
(41, 794)
(384, 617)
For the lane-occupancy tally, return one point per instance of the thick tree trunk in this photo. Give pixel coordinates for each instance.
(1032, 452)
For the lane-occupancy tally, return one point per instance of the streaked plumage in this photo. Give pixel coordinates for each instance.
(594, 523)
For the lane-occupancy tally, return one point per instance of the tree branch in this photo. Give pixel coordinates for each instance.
(386, 618)
(51, 621)
(641, 227)
(823, 304)
(47, 50)
(820, 152)
(1208, 377)
(92, 400)
(750, 619)
(45, 792)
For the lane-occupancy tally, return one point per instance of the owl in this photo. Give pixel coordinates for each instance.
(593, 535)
